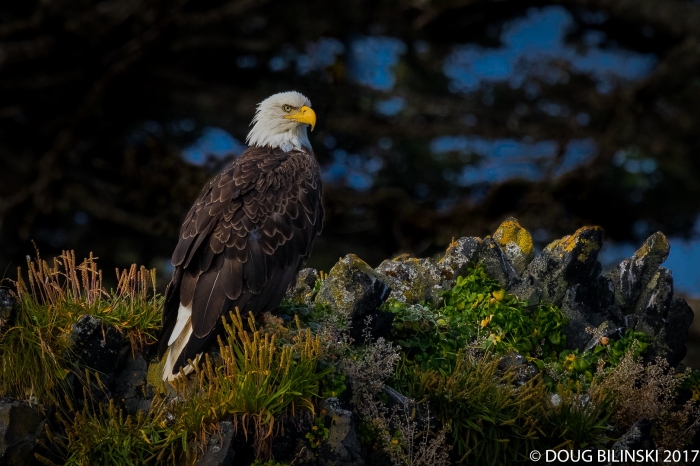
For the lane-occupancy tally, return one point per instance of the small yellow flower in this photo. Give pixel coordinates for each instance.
(486, 321)
(314, 428)
(604, 341)
(499, 295)
(394, 441)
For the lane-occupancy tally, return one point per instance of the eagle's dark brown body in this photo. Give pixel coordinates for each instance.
(243, 241)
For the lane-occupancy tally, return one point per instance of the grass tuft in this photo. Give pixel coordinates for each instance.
(35, 355)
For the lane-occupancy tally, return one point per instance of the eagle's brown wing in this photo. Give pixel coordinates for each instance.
(243, 241)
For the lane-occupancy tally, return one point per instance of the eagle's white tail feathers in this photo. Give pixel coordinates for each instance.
(178, 339)
(183, 318)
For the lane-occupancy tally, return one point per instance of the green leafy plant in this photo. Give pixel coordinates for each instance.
(476, 307)
(318, 433)
(574, 369)
(333, 383)
(478, 302)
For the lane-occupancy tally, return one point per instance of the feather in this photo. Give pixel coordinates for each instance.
(232, 278)
(188, 286)
(254, 268)
(183, 318)
(208, 304)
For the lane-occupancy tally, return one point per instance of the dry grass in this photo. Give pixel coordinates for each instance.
(649, 392)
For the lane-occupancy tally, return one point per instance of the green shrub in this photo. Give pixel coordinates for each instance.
(476, 307)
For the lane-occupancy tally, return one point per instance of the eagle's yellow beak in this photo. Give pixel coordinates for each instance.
(304, 115)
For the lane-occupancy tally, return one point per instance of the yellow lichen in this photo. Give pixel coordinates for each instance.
(655, 243)
(510, 231)
(568, 243)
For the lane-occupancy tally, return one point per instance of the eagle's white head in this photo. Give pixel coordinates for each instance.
(281, 120)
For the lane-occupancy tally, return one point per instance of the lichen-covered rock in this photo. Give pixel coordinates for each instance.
(412, 280)
(496, 264)
(219, 451)
(644, 291)
(342, 447)
(97, 346)
(516, 244)
(633, 274)
(7, 307)
(303, 290)
(459, 256)
(21, 423)
(352, 288)
(654, 300)
(563, 263)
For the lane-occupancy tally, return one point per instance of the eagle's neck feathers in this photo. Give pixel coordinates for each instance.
(286, 135)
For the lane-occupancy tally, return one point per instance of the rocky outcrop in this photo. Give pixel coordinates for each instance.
(21, 423)
(130, 385)
(303, 290)
(516, 244)
(522, 369)
(352, 288)
(459, 256)
(412, 280)
(644, 292)
(97, 346)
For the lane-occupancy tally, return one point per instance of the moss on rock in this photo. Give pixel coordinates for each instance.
(352, 288)
(412, 280)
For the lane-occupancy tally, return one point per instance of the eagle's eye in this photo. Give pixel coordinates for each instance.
(287, 108)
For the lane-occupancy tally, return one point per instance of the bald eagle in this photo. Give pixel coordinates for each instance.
(248, 234)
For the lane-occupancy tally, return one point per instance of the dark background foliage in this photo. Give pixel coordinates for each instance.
(437, 119)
